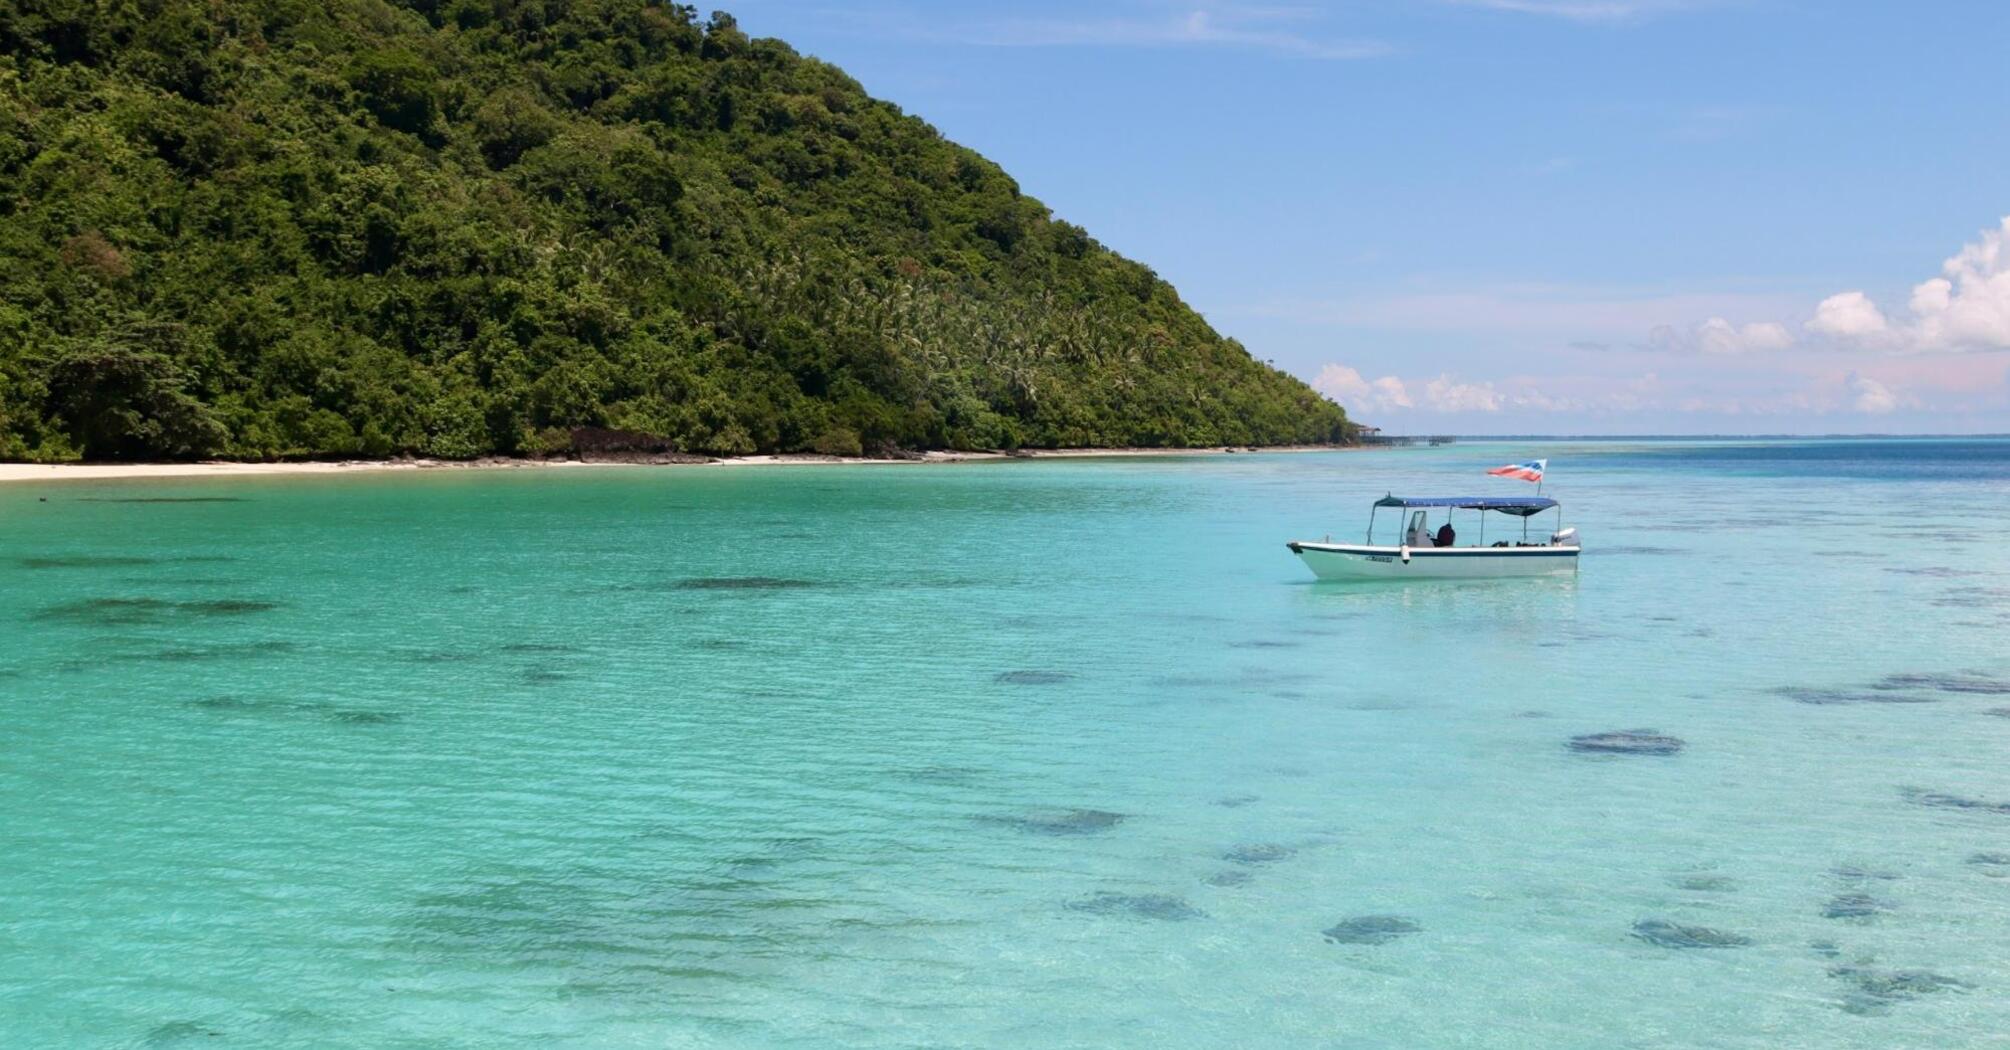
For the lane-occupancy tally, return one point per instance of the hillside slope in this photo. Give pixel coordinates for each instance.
(262, 228)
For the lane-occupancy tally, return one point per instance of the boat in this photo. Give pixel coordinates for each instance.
(1420, 556)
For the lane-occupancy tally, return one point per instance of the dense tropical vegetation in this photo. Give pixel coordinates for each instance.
(265, 228)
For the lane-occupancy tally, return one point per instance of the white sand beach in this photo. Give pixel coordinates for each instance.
(24, 472)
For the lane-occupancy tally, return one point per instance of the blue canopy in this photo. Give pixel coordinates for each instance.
(1520, 506)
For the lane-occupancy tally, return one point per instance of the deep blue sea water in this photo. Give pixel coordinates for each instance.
(1044, 754)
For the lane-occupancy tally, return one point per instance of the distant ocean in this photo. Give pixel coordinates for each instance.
(1043, 754)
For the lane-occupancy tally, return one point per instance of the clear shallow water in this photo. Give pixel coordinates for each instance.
(1059, 754)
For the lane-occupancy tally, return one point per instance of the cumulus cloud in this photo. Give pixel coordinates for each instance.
(1966, 308)
(1718, 336)
(1445, 394)
(1357, 394)
(1870, 396)
(1849, 315)
(1969, 305)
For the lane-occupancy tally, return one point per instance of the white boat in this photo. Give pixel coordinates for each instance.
(1421, 555)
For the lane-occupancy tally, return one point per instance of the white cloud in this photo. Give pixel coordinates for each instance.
(1870, 396)
(1359, 394)
(1966, 308)
(1445, 394)
(1718, 336)
(1849, 315)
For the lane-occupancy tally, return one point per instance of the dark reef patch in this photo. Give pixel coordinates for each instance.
(1942, 572)
(1371, 929)
(1163, 907)
(1971, 597)
(226, 607)
(1836, 697)
(1874, 990)
(1706, 883)
(1665, 934)
(1058, 821)
(1858, 907)
(1859, 873)
(180, 1033)
(1236, 801)
(552, 648)
(1942, 800)
(744, 583)
(1994, 865)
(238, 651)
(1034, 677)
(1229, 878)
(360, 717)
(1998, 712)
(544, 676)
(1627, 742)
(351, 716)
(1264, 643)
(1259, 853)
(138, 612)
(1962, 682)
(238, 704)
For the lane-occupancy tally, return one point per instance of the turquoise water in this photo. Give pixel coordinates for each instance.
(1054, 754)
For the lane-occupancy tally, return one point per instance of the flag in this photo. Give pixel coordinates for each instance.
(1530, 471)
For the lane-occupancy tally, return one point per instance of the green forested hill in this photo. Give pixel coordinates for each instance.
(258, 228)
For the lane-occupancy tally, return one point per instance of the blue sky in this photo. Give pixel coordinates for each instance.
(1513, 216)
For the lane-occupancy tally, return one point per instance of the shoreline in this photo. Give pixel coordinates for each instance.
(23, 472)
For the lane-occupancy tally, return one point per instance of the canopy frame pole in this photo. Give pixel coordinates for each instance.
(1372, 508)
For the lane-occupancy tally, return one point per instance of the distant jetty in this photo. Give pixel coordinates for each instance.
(1374, 438)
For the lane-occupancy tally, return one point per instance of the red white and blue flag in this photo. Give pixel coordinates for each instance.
(1530, 471)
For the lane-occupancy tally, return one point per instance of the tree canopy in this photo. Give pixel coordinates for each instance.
(272, 228)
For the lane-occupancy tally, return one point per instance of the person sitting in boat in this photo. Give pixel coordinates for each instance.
(1446, 535)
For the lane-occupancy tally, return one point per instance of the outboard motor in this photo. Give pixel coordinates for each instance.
(1564, 538)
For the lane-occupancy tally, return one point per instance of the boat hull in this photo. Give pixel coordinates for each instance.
(1346, 561)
